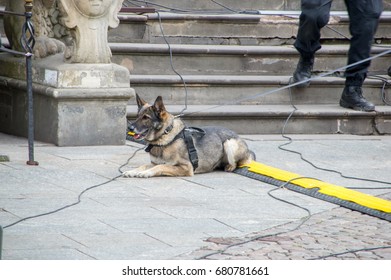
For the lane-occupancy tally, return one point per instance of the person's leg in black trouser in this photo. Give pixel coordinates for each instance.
(364, 17)
(314, 16)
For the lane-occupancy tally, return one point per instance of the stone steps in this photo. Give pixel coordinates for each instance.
(232, 5)
(153, 59)
(217, 90)
(235, 59)
(255, 105)
(231, 29)
(270, 119)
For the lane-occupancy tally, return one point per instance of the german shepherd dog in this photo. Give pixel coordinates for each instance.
(212, 147)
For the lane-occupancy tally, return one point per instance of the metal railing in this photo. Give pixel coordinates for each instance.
(1, 240)
(27, 41)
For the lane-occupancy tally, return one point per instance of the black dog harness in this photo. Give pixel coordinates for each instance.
(187, 135)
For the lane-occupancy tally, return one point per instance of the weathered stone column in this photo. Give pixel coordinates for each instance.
(80, 97)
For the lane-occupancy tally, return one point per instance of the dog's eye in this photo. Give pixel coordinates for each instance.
(145, 117)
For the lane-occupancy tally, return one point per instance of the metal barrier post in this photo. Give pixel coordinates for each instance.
(1, 240)
(28, 43)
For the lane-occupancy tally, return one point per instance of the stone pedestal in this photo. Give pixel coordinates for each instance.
(74, 104)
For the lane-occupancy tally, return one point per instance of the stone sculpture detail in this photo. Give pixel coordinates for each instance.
(47, 26)
(88, 21)
(81, 24)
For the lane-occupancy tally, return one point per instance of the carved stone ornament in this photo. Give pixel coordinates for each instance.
(45, 19)
(89, 21)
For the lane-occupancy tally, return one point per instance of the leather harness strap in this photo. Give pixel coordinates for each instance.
(193, 156)
(187, 135)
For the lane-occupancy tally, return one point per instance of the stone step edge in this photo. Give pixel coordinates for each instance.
(143, 48)
(221, 15)
(340, 16)
(239, 80)
(268, 111)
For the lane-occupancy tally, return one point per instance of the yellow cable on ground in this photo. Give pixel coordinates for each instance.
(324, 188)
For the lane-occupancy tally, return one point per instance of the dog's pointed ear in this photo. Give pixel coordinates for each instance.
(140, 102)
(158, 105)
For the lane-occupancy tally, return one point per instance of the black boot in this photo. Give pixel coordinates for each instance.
(352, 98)
(303, 70)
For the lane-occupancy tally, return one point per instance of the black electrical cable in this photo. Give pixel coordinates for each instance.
(127, 3)
(290, 85)
(79, 196)
(261, 236)
(290, 141)
(383, 93)
(165, 8)
(269, 193)
(119, 169)
(304, 219)
(324, 169)
(64, 207)
(172, 64)
(351, 252)
(286, 137)
(151, 4)
(254, 12)
(225, 7)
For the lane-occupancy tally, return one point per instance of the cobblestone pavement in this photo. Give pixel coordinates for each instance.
(337, 234)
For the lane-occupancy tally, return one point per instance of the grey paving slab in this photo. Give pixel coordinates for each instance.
(168, 218)
(40, 241)
(142, 252)
(174, 229)
(368, 158)
(46, 254)
(336, 234)
(71, 179)
(61, 224)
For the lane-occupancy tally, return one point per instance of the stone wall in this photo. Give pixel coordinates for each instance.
(78, 103)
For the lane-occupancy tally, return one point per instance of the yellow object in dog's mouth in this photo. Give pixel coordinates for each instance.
(137, 136)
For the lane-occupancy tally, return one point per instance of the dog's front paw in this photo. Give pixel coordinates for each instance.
(130, 174)
(147, 174)
(138, 174)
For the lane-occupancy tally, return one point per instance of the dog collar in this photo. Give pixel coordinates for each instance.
(167, 130)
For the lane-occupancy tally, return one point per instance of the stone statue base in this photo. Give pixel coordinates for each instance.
(74, 104)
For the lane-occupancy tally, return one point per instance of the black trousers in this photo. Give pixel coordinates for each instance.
(364, 17)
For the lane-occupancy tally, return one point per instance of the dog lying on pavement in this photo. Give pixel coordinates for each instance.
(176, 150)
